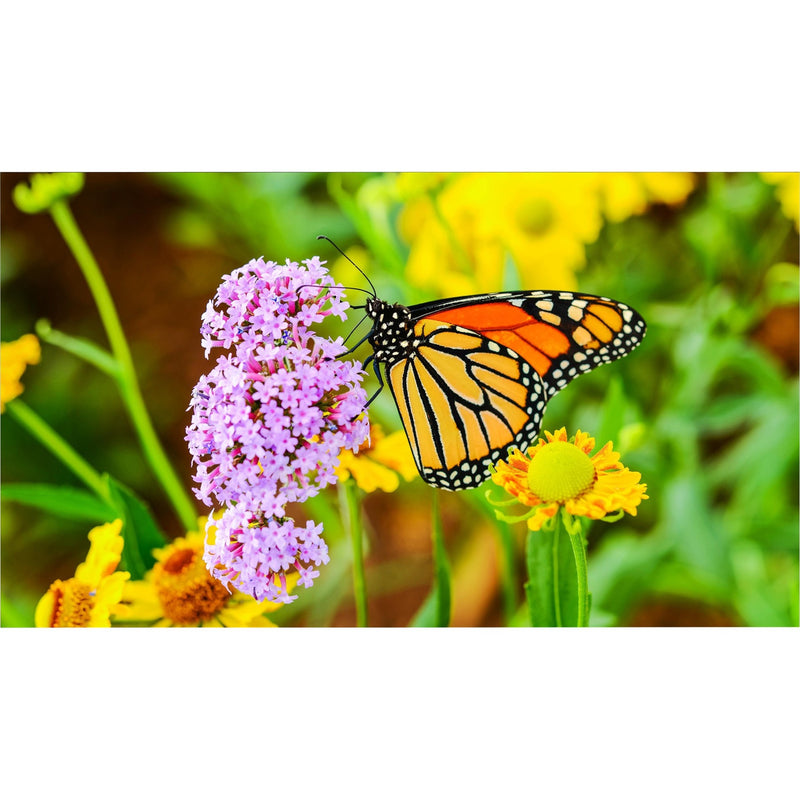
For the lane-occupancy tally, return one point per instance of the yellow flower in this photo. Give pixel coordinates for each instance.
(377, 464)
(787, 191)
(88, 599)
(179, 591)
(14, 358)
(560, 472)
(624, 194)
(462, 236)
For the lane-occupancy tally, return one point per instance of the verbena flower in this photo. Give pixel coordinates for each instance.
(88, 599)
(14, 360)
(379, 463)
(559, 471)
(270, 419)
(180, 592)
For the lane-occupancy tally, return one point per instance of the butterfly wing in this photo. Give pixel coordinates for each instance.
(560, 334)
(464, 400)
(482, 368)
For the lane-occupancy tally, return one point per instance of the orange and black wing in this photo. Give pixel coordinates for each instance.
(560, 334)
(464, 400)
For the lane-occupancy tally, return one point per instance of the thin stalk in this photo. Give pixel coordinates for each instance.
(575, 532)
(127, 380)
(64, 452)
(353, 522)
(556, 584)
(442, 590)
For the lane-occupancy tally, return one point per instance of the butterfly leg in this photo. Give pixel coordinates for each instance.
(357, 345)
(377, 375)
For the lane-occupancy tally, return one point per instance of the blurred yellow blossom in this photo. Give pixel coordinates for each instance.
(787, 190)
(14, 358)
(180, 592)
(88, 599)
(624, 194)
(462, 235)
(462, 229)
(377, 464)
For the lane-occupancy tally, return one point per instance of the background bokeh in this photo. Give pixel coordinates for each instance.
(706, 409)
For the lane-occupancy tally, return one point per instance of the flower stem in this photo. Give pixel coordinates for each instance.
(353, 522)
(442, 590)
(556, 582)
(127, 381)
(41, 431)
(575, 532)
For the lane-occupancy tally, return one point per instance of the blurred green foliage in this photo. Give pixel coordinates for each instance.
(706, 409)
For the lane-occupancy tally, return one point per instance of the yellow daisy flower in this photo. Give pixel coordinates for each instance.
(787, 190)
(559, 471)
(88, 599)
(14, 358)
(378, 462)
(180, 592)
(542, 221)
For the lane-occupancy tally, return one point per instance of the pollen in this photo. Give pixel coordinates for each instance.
(73, 603)
(560, 471)
(188, 593)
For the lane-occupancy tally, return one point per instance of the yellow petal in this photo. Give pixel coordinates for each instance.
(104, 553)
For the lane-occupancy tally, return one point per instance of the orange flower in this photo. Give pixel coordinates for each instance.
(559, 471)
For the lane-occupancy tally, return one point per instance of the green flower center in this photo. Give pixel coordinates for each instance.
(535, 216)
(560, 471)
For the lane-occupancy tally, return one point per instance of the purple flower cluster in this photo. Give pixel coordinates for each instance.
(269, 421)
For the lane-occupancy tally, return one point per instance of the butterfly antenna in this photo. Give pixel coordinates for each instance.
(358, 325)
(374, 293)
(328, 288)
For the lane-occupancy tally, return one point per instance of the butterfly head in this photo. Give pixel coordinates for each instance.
(392, 330)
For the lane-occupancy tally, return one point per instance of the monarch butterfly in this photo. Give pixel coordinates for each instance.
(470, 376)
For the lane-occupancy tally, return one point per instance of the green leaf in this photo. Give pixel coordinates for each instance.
(139, 530)
(67, 502)
(426, 615)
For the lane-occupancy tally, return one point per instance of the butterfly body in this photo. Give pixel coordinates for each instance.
(471, 375)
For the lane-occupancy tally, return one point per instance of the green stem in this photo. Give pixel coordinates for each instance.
(556, 584)
(442, 590)
(128, 383)
(353, 521)
(575, 532)
(41, 431)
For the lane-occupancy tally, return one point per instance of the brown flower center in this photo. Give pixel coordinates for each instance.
(186, 590)
(73, 604)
